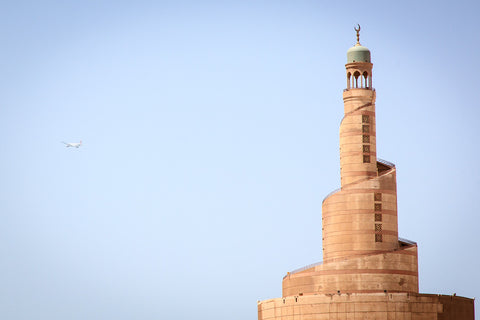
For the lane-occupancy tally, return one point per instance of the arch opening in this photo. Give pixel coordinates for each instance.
(356, 75)
(366, 79)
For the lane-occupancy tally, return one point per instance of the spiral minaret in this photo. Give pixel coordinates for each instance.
(367, 271)
(362, 217)
(359, 221)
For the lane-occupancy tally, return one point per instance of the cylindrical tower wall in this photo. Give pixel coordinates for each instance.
(361, 218)
(358, 151)
(393, 270)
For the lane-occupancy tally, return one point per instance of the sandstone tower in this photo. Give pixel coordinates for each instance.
(367, 272)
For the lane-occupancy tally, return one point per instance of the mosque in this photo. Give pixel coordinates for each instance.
(367, 272)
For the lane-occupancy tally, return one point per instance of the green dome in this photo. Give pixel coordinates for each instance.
(358, 53)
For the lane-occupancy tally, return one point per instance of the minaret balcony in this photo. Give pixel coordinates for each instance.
(352, 89)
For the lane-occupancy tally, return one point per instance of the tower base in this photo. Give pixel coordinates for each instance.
(367, 306)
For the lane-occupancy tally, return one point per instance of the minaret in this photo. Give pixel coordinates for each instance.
(362, 217)
(357, 130)
(367, 271)
(359, 221)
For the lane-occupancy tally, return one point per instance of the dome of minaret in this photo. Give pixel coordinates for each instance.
(358, 53)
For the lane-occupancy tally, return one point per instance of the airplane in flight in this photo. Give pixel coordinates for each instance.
(73, 144)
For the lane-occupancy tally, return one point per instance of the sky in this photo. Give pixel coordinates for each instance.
(210, 138)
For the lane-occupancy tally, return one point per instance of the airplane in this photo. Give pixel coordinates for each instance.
(73, 144)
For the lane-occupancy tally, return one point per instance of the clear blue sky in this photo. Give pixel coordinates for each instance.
(210, 133)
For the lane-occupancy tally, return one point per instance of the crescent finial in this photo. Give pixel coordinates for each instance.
(358, 33)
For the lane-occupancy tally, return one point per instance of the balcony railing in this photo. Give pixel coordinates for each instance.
(328, 195)
(306, 267)
(410, 242)
(385, 162)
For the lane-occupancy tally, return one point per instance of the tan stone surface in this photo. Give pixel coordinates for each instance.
(377, 306)
(395, 271)
(348, 217)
